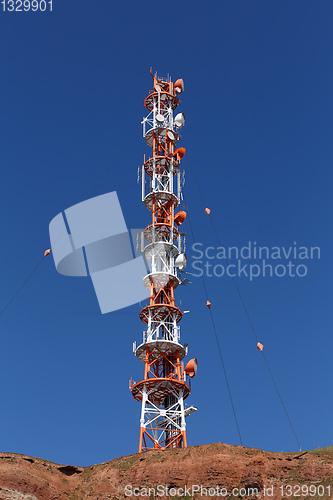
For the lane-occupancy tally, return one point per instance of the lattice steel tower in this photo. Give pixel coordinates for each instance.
(164, 387)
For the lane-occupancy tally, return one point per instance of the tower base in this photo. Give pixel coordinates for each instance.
(162, 427)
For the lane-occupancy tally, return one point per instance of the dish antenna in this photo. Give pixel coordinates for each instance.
(160, 118)
(179, 120)
(179, 86)
(180, 261)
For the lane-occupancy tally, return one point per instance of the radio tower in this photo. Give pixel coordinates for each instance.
(164, 386)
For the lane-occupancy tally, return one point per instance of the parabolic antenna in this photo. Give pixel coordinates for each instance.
(179, 120)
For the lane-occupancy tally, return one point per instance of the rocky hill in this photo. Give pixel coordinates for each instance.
(206, 471)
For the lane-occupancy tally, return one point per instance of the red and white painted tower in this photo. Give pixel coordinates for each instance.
(165, 384)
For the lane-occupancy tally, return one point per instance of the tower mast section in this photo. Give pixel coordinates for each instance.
(165, 384)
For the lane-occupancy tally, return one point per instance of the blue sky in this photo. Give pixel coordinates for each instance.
(258, 106)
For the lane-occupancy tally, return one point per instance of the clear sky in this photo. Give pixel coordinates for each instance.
(258, 133)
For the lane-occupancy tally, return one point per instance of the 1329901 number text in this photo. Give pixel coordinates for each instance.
(26, 5)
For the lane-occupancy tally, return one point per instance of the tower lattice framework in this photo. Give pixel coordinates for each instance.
(165, 384)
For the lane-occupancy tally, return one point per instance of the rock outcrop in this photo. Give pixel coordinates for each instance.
(206, 471)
